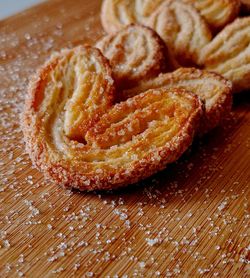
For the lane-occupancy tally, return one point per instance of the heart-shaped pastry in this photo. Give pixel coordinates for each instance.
(80, 138)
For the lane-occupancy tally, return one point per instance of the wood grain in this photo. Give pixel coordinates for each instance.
(190, 220)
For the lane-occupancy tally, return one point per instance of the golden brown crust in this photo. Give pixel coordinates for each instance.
(229, 54)
(130, 141)
(217, 13)
(115, 14)
(118, 13)
(214, 90)
(135, 53)
(179, 24)
(182, 28)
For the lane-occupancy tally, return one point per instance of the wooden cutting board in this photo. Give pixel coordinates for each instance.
(191, 220)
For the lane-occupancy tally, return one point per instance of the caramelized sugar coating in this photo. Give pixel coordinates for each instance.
(229, 54)
(116, 14)
(214, 90)
(182, 29)
(217, 13)
(135, 53)
(179, 24)
(79, 138)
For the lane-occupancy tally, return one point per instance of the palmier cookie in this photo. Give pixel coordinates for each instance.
(79, 138)
(135, 53)
(115, 14)
(229, 54)
(182, 29)
(217, 13)
(214, 90)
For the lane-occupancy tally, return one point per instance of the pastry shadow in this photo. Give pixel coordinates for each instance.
(242, 98)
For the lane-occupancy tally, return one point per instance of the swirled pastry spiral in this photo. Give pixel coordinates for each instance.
(135, 53)
(229, 54)
(78, 137)
(217, 13)
(179, 24)
(214, 90)
(182, 29)
(116, 14)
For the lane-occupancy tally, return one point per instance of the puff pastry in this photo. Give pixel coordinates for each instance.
(182, 29)
(229, 54)
(179, 24)
(217, 13)
(135, 53)
(78, 137)
(214, 90)
(115, 14)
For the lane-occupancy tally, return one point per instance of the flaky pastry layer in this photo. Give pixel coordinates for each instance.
(179, 24)
(214, 90)
(77, 136)
(182, 29)
(217, 13)
(116, 14)
(229, 54)
(135, 53)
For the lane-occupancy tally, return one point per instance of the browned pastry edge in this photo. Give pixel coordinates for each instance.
(161, 60)
(214, 115)
(65, 175)
(217, 113)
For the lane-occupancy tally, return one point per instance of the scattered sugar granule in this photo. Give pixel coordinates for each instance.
(152, 242)
(222, 206)
(142, 264)
(50, 227)
(58, 270)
